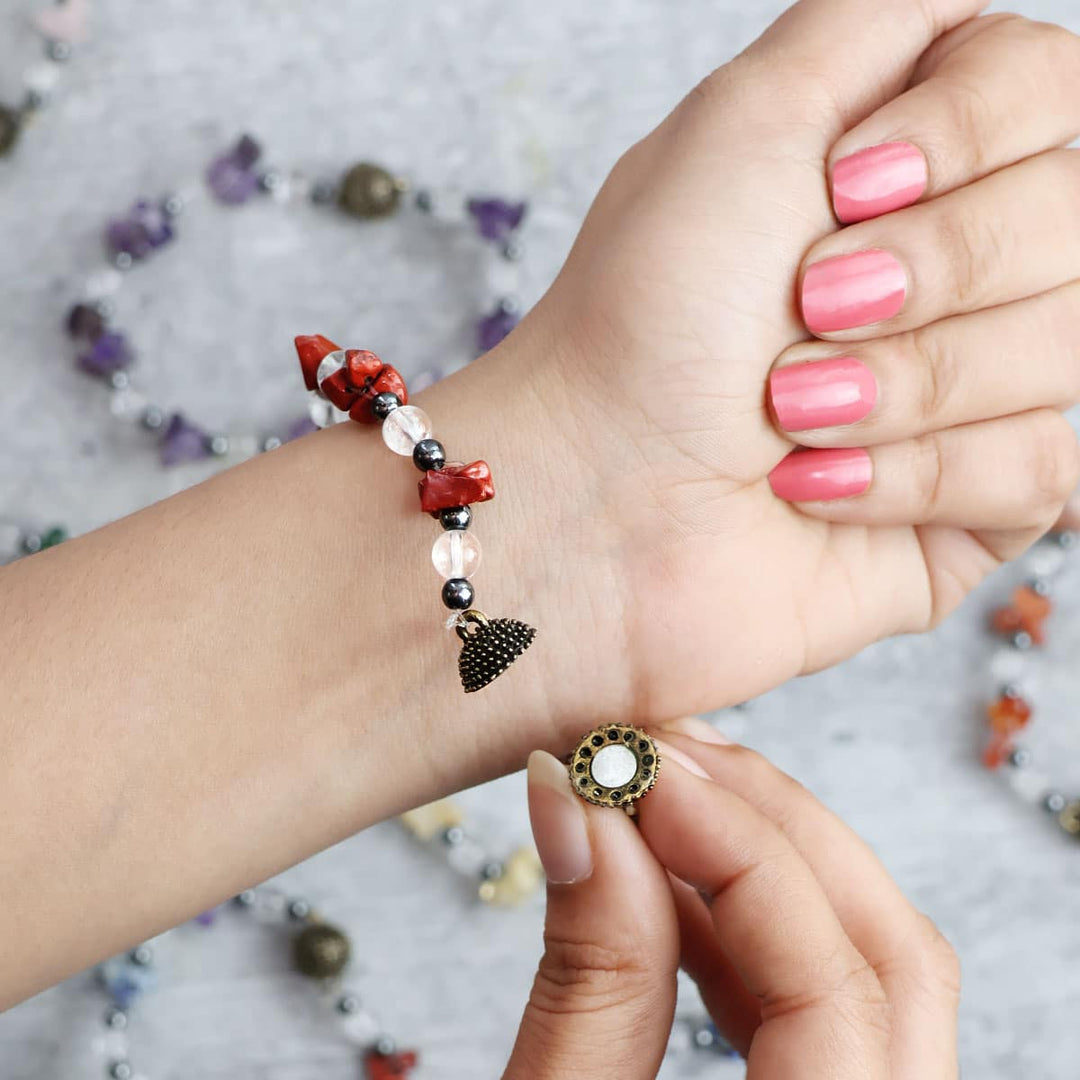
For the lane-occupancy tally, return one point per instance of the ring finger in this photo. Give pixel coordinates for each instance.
(1010, 236)
(973, 367)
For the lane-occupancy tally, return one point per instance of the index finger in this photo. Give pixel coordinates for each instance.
(824, 1013)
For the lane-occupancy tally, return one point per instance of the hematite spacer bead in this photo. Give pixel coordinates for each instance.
(457, 594)
(456, 517)
(348, 1004)
(299, 909)
(492, 871)
(120, 1070)
(1054, 802)
(142, 955)
(246, 899)
(429, 454)
(382, 405)
(58, 52)
(453, 836)
(115, 1018)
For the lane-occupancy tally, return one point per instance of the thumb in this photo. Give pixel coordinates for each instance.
(604, 997)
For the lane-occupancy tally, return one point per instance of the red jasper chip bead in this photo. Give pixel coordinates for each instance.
(368, 376)
(393, 1066)
(1027, 613)
(338, 392)
(312, 350)
(456, 485)
(1008, 715)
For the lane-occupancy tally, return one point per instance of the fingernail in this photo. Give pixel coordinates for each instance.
(671, 754)
(822, 393)
(878, 180)
(560, 829)
(822, 475)
(848, 291)
(693, 727)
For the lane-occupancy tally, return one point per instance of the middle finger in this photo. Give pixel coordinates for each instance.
(1012, 235)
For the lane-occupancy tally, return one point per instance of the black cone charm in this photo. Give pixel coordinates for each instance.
(490, 647)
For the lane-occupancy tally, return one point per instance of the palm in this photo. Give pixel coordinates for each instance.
(700, 260)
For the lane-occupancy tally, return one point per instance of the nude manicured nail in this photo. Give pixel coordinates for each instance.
(671, 754)
(853, 290)
(559, 826)
(822, 475)
(822, 393)
(693, 727)
(878, 180)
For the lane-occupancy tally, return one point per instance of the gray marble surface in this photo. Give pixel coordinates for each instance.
(514, 96)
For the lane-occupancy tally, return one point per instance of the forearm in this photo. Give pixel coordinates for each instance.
(212, 689)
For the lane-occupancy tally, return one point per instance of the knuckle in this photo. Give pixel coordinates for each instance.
(1059, 47)
(938, 371)
(930, 471)
(939, 957)
(976, 252)
(582, 976)
(968, 116)
(1053, 464)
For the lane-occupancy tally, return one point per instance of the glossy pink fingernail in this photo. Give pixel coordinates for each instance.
(878, 180)
(853, 290)
(822, 393)
(822, 475)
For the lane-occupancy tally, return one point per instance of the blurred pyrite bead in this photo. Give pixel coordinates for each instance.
(321, 951)
(369, 191)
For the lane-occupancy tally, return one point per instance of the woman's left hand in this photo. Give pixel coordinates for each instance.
(809, 958)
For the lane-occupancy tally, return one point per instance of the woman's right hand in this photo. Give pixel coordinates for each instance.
(808, 957)
(667, 540)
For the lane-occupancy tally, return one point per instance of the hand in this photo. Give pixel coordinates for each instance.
(808, 957)
(654, 347)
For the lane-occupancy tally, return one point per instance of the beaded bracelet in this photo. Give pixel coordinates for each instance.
(358, 383)
(1022, 624)
(61, 27)
(366, 192)
(320, 951)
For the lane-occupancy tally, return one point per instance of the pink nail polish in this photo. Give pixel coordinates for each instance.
(822, 393)
(878, 180)
(853, 290)
(822, 475)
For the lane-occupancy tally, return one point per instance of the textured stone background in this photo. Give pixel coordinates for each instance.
(506, 95)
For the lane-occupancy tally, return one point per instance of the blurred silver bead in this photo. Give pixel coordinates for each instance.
(115, 1018)
(1020, 758)
(142, 955)
(219, 445)
(58, 51)
(119, 380)
(31, 543)
(453, 836)
(153, 418)
(492, 871)
(513, 251)
(348, 1004)
(385, 1045)
(246, 899)
(120, 1070)
(123, 260)
(1054, 802)
(323, 192)
(704, 1037)
(509, 305)
(271, 442)
(298, 909)
(173, 205)
(1068, 540)
(1041, 587)
(1022, 640)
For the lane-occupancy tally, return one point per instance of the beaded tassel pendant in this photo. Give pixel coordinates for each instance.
(358, 382)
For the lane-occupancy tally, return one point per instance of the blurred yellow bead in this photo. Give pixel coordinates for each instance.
(1069, 818)
(521, 876)
(426, 822)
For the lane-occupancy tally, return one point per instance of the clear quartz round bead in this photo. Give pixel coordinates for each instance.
(456, 554)
(404, 428)
(329, 364)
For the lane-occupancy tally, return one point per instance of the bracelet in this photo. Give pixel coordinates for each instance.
(61, 27)
(358, 383)
(1022, 622)
(366, 192)
(320, 951)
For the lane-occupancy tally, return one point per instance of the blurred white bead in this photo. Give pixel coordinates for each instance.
(1030, 784)
(322, 413)
(447, 205)
(503, 278)
(127, 404)
(42, 78)
(1045, 560)
(270, 905)
(456, 554)
(103, 283)
(111, 1044)
(404, 428)
(361, 1028)
(1007, 665)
